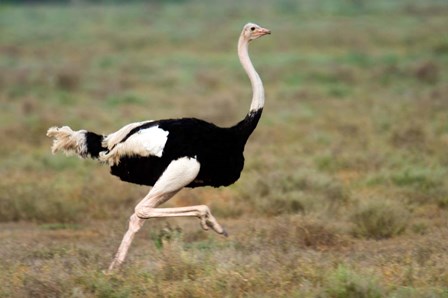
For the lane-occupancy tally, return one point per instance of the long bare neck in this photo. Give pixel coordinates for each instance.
(245, 127)
(257, 85)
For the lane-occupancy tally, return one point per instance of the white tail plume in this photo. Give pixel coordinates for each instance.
(68, 141)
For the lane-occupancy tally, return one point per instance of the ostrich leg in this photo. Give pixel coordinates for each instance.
(177, 175)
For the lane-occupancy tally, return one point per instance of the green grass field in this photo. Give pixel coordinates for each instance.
(344, 192)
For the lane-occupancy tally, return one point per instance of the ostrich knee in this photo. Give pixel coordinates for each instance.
(141, 213)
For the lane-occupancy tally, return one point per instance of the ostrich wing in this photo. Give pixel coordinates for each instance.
(131, 141)
(114, 138)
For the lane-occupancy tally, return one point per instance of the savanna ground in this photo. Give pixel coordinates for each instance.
(345, 190)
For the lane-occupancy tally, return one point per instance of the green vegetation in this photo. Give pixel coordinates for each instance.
(344, 193)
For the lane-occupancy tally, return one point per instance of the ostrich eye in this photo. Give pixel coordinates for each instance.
(252, 28)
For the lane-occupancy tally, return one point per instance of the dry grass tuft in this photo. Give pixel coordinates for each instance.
(428, 72)
(68, 79)
(346, 283)
(379, 219)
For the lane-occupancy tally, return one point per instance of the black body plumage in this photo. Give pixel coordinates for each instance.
(219, 151)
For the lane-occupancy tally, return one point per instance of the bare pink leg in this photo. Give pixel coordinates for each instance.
(177, 175)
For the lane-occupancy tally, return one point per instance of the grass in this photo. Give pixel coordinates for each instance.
(343, 192)
(380, 219)
(343, 282)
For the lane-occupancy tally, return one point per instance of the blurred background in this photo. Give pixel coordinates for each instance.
(344, 190)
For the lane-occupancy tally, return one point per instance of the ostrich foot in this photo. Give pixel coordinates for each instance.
(209, 221)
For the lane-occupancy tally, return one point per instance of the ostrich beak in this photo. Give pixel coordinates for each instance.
(262, 31)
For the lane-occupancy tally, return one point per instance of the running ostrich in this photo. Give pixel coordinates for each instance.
(172, 154)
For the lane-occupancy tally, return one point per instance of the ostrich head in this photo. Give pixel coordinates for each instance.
(252, 31)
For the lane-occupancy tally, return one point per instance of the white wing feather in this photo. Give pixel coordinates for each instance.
(145, 142)
(114, 138)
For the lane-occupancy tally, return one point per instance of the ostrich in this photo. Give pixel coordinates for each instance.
(171, 154)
